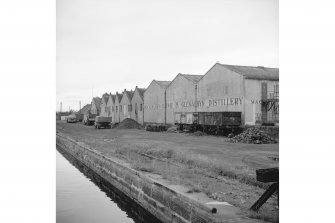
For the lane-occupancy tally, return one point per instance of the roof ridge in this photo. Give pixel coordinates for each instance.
(247, 66)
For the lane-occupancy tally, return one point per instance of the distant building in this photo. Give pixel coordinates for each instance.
(137, 102)
(95, 106)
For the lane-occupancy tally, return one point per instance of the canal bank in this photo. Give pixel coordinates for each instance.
(81, 192)
(166, 202)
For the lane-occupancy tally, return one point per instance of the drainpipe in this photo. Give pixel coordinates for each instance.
(196, 103)
(196, 98)
(143, 111)
(165, 106)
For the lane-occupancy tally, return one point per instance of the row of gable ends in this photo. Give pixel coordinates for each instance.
(118, 96)
(249, 72)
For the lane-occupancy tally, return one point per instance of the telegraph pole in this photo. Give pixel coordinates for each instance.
(61, 107)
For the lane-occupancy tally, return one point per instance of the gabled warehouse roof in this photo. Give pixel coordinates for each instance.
(258, 73)
(118, 97)
(97, 102)
(192, 77)
(105, 97)
(112, 96)
(163, 84)
(85, 109)
(129, 94)
(140, 91)
(189, 77)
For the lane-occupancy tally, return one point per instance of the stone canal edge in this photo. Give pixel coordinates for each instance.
(166, 204)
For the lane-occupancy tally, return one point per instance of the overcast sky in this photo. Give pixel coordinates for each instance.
(110, 45)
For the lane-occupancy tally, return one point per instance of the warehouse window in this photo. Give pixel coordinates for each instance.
(121, 108)
(141, 107)
(129, 108)
(116, 108)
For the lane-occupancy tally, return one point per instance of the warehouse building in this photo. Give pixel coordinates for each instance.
(111, 106)
(227, 92)
(155, 101)
(227, 95)
(103, 105)
(95, 105)
(85, 109)
(137, 102)
(180, 96)
(117, 102)
(125, 105)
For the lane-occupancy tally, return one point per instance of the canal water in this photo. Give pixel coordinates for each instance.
(83, 196)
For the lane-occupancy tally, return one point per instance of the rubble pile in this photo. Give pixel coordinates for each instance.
(252, 136)
(128, 123)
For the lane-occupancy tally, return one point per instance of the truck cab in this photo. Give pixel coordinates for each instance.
(103, 122)
(71, 119)
(89, 119)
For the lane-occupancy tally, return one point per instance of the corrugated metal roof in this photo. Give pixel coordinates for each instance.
(141, 91)
(163, 84)
(192, 77)
(258, 73)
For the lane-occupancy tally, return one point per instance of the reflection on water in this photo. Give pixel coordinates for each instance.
(83, 196)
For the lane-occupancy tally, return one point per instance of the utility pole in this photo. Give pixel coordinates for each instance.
(79, 105)
(61, 107)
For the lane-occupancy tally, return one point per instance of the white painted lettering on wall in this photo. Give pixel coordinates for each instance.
(207, 103)
(256, 101)
(224, 102)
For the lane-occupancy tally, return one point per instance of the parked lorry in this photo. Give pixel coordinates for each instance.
(89, 119)
(103, 122)
(72, 119)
